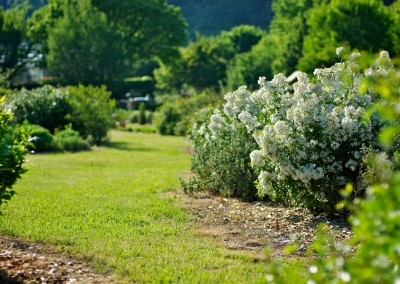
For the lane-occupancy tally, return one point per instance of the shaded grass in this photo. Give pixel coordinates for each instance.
(105, 207)
(135, 127)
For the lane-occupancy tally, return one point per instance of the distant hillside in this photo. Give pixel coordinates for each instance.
(210, 17)
(207, 17)
(6, 4)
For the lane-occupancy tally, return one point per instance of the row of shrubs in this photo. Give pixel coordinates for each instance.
(43, 141)
(87, 110)
(140, 116)
(304, 142)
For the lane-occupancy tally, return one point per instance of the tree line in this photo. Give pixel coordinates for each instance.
(103, 42)
(90, 42)
(303, 35)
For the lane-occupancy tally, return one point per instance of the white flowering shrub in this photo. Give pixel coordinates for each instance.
(372, 255)
(222, 147)
(310, 137)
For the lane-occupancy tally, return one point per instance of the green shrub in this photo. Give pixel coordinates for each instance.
(142, 114)
(121, 116)
(69, 140)
(167, 118)
(176, 117)
(133, 116)
(91, 111)
(45, 106)
(12, 153)
(42, 139)
(221, 160)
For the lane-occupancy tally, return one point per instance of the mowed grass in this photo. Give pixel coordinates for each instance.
(105, 207)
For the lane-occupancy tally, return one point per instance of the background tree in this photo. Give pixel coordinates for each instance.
(243, 37)
(203, 63)
(287, 31)
(360, 24)
(105, 39)
(147, 28)
(246, 68)
(39, 25)
(14, 47)
(206, 60)
(82, 47)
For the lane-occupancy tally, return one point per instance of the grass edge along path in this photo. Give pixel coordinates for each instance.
(105, 207)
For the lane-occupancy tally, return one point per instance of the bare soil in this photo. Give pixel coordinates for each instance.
(238, 225)
(25, 262)
(251, 227)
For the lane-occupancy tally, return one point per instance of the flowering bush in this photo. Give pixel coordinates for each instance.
(310, 139)
(222, 146)
(373, 254)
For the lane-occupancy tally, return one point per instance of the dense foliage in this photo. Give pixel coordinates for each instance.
(13, 46)
(175, 117)
(222, 147)
(89, 109)
(303, 35)
(92, 111)
(364, 25)
(203, 63)
(46, 106)
(104, 40)
(12, 152)
(84, 53)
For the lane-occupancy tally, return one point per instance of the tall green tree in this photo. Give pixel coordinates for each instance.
(206, 61)
(247, 67)
(244, 37)
(82, 47)
(147, 27)
(40, 24)
(203, 63)
(14, 47)
(287, 31)
(103, 40)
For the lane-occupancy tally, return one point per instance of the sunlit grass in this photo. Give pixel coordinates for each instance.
(105, 206)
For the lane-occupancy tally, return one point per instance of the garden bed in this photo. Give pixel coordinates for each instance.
(255, 226)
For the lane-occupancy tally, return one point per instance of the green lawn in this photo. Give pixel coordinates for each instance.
(105, 207)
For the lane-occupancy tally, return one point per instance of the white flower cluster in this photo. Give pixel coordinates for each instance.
(225, 119)
(314, 132)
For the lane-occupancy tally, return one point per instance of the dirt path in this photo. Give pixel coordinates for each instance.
(253, 226)
(23, 262)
